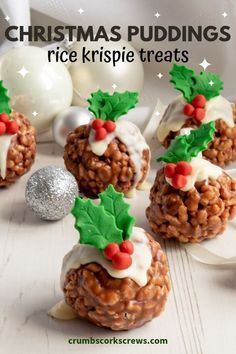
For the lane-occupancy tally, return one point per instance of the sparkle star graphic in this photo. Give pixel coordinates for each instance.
(80, 11)
(114, 86)
(205, 64)
(23, 71)
(35, 113)
(157, 15)
(160, 75)
(224, 14)
(7, 18)
(211, 83)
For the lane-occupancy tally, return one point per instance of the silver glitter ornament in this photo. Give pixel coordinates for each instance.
(67, 121)
(50, 192)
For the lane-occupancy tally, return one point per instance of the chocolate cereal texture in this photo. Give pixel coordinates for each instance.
(222, 150)
(21, 154)
(200, 102)
(193, 216)
(99, 284)
(94, 173)
(118, 304)
(191, 199)
(112, 163)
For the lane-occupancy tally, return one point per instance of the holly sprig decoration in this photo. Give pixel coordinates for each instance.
(96, 227)
(185, 147)
(110, 107)
(113, 203)
(7, 123)
(4, 100)
(106, 226)
(190, 84)
(105, 223)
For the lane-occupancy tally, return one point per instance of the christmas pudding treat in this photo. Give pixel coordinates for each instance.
(201, 103)
(108, 151)
(17, 142)
(191, 199)
(116, 277)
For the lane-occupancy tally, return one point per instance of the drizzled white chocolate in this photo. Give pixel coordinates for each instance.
(83, 254)
(141, 259)
(130, 135)
(173, 118)
(202, 170)
(5, 142)
(62, 311)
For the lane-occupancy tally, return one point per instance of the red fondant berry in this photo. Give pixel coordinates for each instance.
(199, 101)
(121, 260)
(2, 128)
(127, 247)
(100, 134)
(184, 168)
(110, 126)
(188, 110)
(12, 127)
(111, 250)
(179, 181)
(4, 118)
(199, 114)
(169, 170)
(97, 123)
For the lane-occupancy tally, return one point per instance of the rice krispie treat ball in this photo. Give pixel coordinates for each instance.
(191, 199)
(17, 143)
(108, 151)
(201, 103)
(117, 277)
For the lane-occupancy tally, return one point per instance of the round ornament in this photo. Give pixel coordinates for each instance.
(50, 193)
(89, 77)
(67, 121)
(37, 88)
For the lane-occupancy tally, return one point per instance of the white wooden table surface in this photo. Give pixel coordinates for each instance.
(200, 313)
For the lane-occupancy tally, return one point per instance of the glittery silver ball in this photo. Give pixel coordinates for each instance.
(50, 192)
(66, 121)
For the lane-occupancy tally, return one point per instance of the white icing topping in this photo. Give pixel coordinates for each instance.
(130, 135)
(130, 193)
(62, 311)
(185, 131)
(141, 259)
(5, 142)
(202, 170)
(173, 118)
(145, 186)
(219, 107)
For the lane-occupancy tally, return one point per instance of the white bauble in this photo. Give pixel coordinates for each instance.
(89, 77)
(67, 121)
(46, 89)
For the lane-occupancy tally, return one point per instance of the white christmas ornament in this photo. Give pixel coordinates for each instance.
(37, 88)
(67, 121)
(88, 77)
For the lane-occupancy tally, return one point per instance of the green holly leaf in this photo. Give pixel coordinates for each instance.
(114, 204)
(190, 84)
(111, 107)
(4, 100)
(203, 87)
(96, 227)
(184, 147)
(183, 79)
